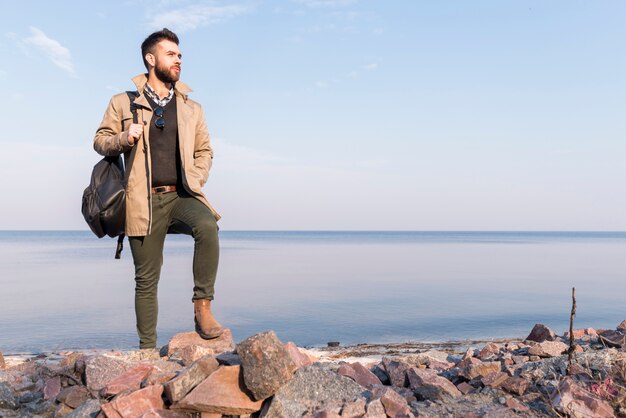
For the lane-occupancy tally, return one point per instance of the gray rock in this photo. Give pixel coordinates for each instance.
(7, 398)
(89, 409)
(101, 369)
(310, 388)
(177, 388)
(266, 364)
(39, 407)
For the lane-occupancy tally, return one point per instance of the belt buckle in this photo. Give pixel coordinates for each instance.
(160, 189)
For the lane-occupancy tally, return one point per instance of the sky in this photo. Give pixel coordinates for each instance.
(337, 114)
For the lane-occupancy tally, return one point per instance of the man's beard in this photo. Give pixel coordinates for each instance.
(165, 75)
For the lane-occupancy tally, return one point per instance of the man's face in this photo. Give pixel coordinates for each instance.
(167, 61)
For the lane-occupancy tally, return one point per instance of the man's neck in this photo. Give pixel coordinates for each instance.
(159, 87)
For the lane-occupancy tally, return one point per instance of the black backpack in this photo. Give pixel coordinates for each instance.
(104, 200)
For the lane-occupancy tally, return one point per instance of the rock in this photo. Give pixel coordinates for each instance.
(162, 372)
(266, 364)
(353, 409)
(360, 374)
(177, 388)
(516, 385)
(516, 405)
(52, 388)
(475, 368)
(190, 346)
(465, 388)
(222, 392)
(541, 333)
(7, 398)
(168, 413)
(431, 386)
(622, 326)
(375, 409)
(310, 387)
(494, 379)
(3, 365)
(129, 380)
(582, 333)
(433, 359)
(73, 396)
(489, 350)
(615, 339)
(228, 358)
(396, 370)
(380, 373)
(572, 399)
(62, 410)
(101, 369)
(520, 359)
(135, 404)
(394, 404)
(89, 409)
(299, 358)
(548, 349)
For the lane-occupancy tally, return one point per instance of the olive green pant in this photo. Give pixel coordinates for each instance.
(179, 213)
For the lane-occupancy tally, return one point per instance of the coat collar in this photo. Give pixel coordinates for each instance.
(180, 89)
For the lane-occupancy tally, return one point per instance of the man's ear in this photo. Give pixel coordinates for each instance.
(150, 59)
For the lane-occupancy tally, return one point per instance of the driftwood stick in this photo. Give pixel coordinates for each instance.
(570, 351)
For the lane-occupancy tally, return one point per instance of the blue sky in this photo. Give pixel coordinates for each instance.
(338, 114)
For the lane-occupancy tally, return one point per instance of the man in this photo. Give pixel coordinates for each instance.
(167, 155)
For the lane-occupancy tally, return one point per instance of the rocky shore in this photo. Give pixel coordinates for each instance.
(544, 375)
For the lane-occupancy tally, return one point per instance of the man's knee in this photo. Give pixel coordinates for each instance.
(205, 227)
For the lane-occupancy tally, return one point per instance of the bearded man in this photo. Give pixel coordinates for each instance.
(167, 156)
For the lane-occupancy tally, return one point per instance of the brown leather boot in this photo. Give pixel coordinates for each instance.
(206, 325)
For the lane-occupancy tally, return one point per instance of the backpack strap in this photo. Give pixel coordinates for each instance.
(132, 95)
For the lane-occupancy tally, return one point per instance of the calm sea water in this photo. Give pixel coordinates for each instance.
(64, 290)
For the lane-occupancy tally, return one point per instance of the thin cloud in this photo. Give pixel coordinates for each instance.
(195, 16)
(370, 67)
(52, 49)
(325, 3)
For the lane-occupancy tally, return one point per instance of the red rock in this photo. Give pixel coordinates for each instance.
(129, 380)
(394, 404)
(572, 399)
(375, 409)
(494, 379)
(353, 409)
(360, 374)
(299, 358)
(621, 326)
(548, 349)
(266, 364)
(52, 388)
(516, 385)
(490, 350)
(580, 333)
(465, 388)
(471, 352)
(222, 392)
(210, 415)
(429, 385)
(541, 333)
(135, 404)
(73, 396)
(167, 413)
(396, 370)
(3, 365)
(177, 388)
(478, 368)
(190, 346)
(516, 405)
(520, 359)
(162, 372)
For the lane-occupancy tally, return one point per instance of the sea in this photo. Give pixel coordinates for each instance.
(63, 290)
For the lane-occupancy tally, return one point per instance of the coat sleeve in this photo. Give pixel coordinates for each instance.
(110, 139)
(202, 153)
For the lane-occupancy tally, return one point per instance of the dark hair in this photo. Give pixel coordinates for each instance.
(150, 42)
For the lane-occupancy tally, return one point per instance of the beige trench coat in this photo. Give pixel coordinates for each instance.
(195, 151)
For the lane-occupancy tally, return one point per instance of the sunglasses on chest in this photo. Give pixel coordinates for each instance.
(159, 122)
